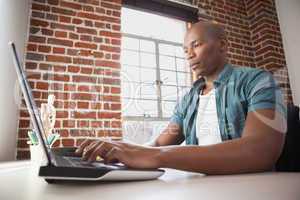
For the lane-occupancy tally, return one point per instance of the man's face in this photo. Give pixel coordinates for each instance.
(203, 53)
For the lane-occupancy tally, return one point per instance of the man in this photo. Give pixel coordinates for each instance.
(232, 119)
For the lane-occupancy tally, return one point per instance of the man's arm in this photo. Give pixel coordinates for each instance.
(172, 135)
(257, 150)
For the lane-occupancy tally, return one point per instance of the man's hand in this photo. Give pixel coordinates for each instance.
(131, 155)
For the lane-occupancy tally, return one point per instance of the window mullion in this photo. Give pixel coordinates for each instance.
(158, 82)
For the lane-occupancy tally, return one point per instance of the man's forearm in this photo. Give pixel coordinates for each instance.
(235, 156)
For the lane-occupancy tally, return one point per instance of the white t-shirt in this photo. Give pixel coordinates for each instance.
(207, 126)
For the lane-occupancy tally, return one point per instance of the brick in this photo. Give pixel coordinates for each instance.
(83, 61)
(34, 56)
(47, 32)
(37, 39)
(54, 25)
(88, 8)
(110, 49)
(110, 19)
(52, 17)
(37, 14)
(58, 50)
(36, 22)
(61, 59)
(86, 70)
(109, 115)
(44, 49)
(84, 115)
(110, 6)
(73, 36)
(69, 105)
(84, 79)
(42, 85)
(89, 16)
(52, 2)
(73, 69)
(56, 86)
(83, 123)
(84, 96)
(62, 42)
(24, 123)
(96, 124)
(40, 7)
(67, 142)
(77, 21)
(103, 63)
(63, 11)
(116, 106)
(110, 34)
(85, 53)
(98, 54)
(84, 133)
(75, 6)
(62, 114)
(30, 65)
(86, 38)
(31, 47)
(86, 31)
(85, 45)
(82, 105)
(61, 34)
(69, 123)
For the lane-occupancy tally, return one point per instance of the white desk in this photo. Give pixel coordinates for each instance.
(19, 182)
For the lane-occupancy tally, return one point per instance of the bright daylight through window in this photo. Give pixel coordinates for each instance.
(154, 72)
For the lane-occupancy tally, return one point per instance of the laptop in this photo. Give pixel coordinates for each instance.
(60, 163)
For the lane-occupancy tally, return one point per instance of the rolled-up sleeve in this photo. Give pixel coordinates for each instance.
(263, 92)
(178, 113)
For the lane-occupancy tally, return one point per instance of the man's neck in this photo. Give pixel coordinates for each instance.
(212, 77)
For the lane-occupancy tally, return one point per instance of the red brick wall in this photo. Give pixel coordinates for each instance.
(73, 51)
(253, 34)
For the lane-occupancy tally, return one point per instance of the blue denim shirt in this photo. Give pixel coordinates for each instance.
(239, 90)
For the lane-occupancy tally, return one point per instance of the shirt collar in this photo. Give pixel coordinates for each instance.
(222, 77)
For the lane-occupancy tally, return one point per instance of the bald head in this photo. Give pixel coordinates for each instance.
(205, 46)
(210, 30)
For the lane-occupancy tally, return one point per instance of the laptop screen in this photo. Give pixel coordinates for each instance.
(31, 106)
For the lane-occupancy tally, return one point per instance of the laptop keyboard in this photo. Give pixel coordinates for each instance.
(67, 161)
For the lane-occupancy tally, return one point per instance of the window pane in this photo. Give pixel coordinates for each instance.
(132, 74)
(167, 62)
(129, 108)
(184, 79)
(148, 60)
(147, 46)
(148, 91)
(168, 77)
(130, 90)
(168, 107)
(148, 75)
(179, 52)
(169, 93)
(130, 58)
(156, 26)
(181, 65)
(166, 49)
(146, 107)
(130, 43)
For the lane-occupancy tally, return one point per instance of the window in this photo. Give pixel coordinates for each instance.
(154, 72)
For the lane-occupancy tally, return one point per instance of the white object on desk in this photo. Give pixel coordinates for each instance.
(37, 156)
